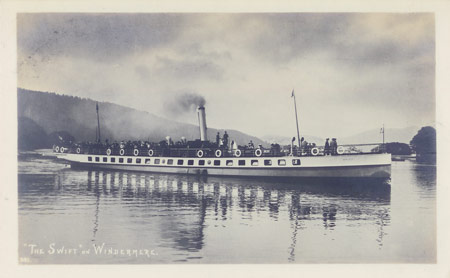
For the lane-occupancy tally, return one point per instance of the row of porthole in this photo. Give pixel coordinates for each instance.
(180, 162)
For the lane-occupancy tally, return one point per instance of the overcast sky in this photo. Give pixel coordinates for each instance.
(350, 72)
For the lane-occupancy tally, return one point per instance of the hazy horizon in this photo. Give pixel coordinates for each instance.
(351, 72)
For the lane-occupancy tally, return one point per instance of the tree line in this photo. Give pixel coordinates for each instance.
(423, 144)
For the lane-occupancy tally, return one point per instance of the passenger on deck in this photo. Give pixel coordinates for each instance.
(251, 145)
(333, 146)
(327, 147)
(225, 140)
(218, 138)
(304, 145)
(233, 145)
(169, 141)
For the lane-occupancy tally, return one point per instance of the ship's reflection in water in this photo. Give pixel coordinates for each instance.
(187, 205)
(206, 220)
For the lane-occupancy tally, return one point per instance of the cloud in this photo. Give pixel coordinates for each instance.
(289, 36)
(188, 68)
(102, 37)
(142, 71)
(354, 39)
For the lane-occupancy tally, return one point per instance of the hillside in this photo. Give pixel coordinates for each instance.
(50, 112)
(31, 135)
(402, 135)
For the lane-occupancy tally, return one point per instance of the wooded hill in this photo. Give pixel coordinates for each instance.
(41, 114)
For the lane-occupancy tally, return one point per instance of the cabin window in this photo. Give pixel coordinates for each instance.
(216, 162)
(97, 159)
(157, 161)
(201, 162)
(163, 161)
(209, 162)
(282, 162)
(138, 160)
(113, 159)
(89, 158)
(241, 162)
(295, 161)
(120, 160)
(129, 160)
(255, 163)
(169, 161)
(190, 162)
(147, 161)
(180, 161)
(229, 162)
(268, 162)
(105, 159)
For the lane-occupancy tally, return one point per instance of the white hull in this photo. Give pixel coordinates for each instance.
(339, 166)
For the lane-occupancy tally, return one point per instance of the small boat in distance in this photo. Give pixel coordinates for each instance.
(203, 157)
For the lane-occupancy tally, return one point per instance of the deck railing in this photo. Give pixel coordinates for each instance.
(345, 149)
(310, 150)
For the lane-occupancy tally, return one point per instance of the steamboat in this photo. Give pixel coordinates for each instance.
(227, 158)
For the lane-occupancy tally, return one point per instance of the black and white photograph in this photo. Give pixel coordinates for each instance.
(218, 138)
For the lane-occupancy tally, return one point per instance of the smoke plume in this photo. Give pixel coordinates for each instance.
(190, 101)
(187, 102)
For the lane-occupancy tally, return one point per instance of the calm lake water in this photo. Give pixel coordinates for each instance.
(106, 217)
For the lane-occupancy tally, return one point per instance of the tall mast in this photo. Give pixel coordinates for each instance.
(296, 119)
(98, 125)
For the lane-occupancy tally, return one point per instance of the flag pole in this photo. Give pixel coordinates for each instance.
(296, 119)
(98, 124)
